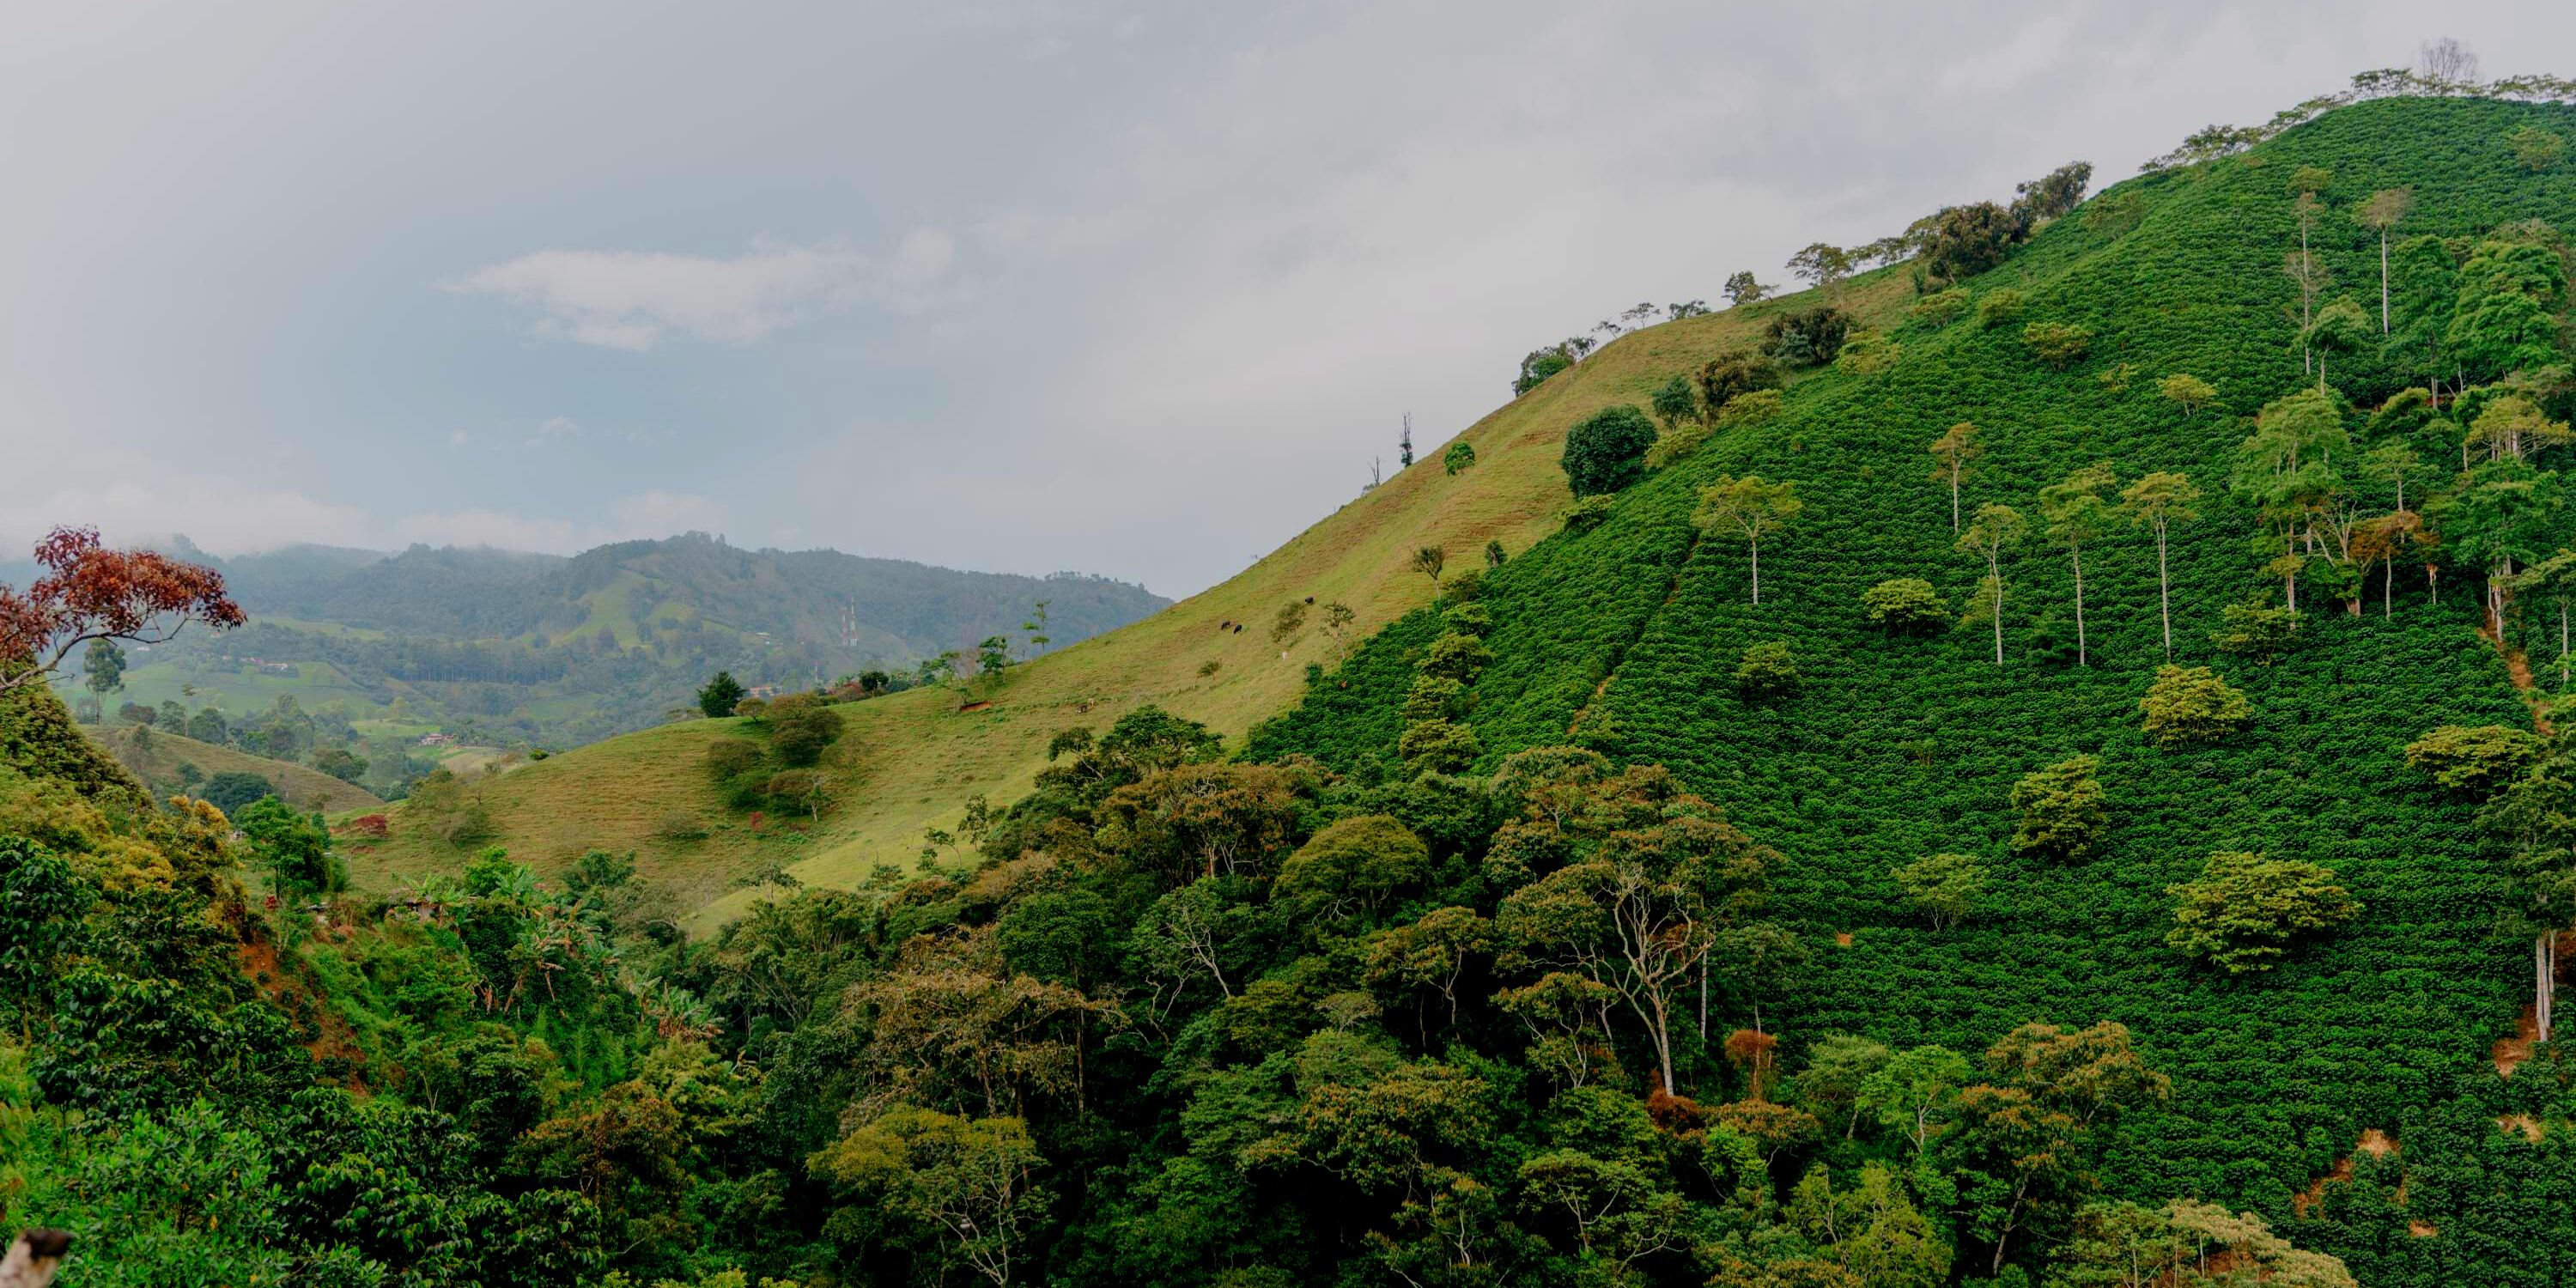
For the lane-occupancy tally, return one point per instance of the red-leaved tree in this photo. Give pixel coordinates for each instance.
(90, 592)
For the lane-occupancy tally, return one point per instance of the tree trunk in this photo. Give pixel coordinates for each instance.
(2545, 987)
(2383, 283)
(1997, 574)
(1954, 498)
(2164, 591)
(2387, 589)
(1757, 570)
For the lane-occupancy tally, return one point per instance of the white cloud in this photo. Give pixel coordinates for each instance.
(558, 427)
(646, 515)
(661, 514)
(632, 300)
(143, 500)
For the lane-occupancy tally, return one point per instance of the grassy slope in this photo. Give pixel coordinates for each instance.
(917, 757)
(1901, 748)
(159, 766)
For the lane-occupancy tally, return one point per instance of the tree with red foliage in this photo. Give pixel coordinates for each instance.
(90, 592)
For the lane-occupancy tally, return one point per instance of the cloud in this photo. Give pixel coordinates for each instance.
(632, 300)
(143, 501)
(645, 516)
(661, 514)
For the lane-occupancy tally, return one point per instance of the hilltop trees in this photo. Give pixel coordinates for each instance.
(1823, 266)
(1606, 451)
(1741, 289)
(2159, 501)
(1955, 447)
(1751, 508)
(2077, 512)
(1995, 528)
(89, 592)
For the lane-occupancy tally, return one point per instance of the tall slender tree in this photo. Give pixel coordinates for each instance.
(2077, 512)
(1954, 448)
(2385, 210)
(1994, 527)
(1751, 507)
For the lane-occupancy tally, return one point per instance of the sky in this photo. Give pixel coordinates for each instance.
(1120, 286)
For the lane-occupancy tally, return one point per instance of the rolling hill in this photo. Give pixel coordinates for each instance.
(910, 761)
(156, 759)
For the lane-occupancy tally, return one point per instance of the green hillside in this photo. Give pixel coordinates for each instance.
(1629, 639)
(911, 761)
(156, 757)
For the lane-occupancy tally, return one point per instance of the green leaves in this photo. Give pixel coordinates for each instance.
(2246, 909)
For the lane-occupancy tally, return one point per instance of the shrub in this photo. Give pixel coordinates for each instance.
(1607, 450)
(2191, 704)
(1538, 366)
(679, 825)
(1730, 375)
(720, 695)
(1942, 307)
(1439, 745)
(1809, 338)
(1867, 352)
(1904, 604)
(2189, 390)
(1676, 400)
(1943, 887)
(2244, 911)
(727, 757)
(2000, 308)
(2256, 630)
(2536, 149)
(2061, 810)
(2058, 344)
(1967, 240)
(234, 789)
(800, 734)
(1209, 667)
(2118, 377)
(753, 710)
(1586, 514)
(1460, 455)
(1676, 444)
(1768, 671)
(1750, 408)
(2476, 760)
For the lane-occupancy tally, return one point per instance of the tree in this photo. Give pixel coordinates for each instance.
(294, 848)
(1994, 528)
(2255, 629)
(2340, 327)
(89, 592)
(233, 789)
(1036, 626)
(2245, 909)
(1429, 561)
(2077, 512)
(2061, 810)
(1768, 671)
(1606, 451)
(1462, 454)
(2123, 1245)
(1352, 867)
(2058, 344)
(1808, 338)
(2187, 705)
(1964, 241)
(971, 1182)
(2502, 516)
(2506, 315)
(2159, 501)
(2447, 64)
(1731, 375)
(1751, 508)
(2051, 195)
(1677, 400)
(2029, 1137)
(1338, 618)
(2385, 210)
(2554, 580)
(2478, 760)
(1823, 266)
(1956, 446)
(2535, 817)
(103, 668)
(2000, 308)
(1494, 554)
(2536, 149)
(1943, 887)
(1741, 289)
(799, 731)
(1904, 604)
(1915, 1093)
(721, 695)
(1640, 914)
(2191, 391)
(2383, 541)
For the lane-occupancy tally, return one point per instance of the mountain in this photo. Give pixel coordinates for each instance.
(156, 758)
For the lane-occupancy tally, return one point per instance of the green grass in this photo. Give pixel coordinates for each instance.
(158, 766)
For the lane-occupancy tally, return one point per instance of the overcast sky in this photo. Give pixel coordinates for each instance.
(1130, 288)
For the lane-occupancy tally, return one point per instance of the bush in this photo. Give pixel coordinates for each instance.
(2478, 760)
(1731, 375)
(2256, 630)
(727, 757)
(1677, 400)
(720, 695)
(1967, 240)
(1942, 307)
(1606, 451)
(2058, 344)
(1768, 671)
(1750, 408)
(2062, 810)
(2191, 704)
(2000, 308)
(1943, 887)
(799, 734)
(1586, 514)
(1677, 443)
(1867, 353)
(1810, 338)
(1904, 604)
(1460, 455)
(2244, 911)
(1538, 366)
(233, 789)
